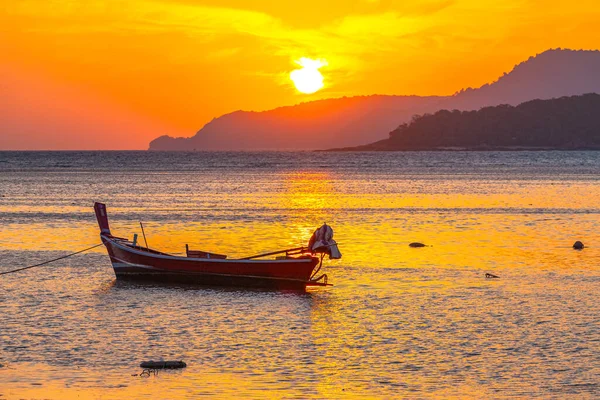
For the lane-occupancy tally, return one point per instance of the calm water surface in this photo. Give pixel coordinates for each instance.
(398, 322)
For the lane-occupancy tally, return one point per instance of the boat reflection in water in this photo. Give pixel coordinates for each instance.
(294, 268)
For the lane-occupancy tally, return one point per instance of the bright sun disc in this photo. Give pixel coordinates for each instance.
(308, 79)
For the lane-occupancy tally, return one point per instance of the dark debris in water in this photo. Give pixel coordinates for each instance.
(147, 372)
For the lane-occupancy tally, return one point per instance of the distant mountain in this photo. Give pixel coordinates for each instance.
(566, 123)
(306, 126)
(551, 74)
(351, 121)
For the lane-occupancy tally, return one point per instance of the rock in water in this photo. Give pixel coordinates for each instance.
(416, 244)
(578, 245)
(163, 364)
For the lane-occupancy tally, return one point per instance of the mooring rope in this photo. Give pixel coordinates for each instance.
(51, 261)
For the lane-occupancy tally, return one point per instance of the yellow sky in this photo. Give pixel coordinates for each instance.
(82, 74)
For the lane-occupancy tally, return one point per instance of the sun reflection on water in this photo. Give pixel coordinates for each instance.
(398, 321)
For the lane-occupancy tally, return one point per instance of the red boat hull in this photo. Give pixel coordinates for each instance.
(135, 263)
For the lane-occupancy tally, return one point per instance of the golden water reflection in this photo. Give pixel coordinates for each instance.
(398, 321)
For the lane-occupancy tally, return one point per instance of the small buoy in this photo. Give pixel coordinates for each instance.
(578, 245)
(491, 276)
(416, 244)
(163, 364)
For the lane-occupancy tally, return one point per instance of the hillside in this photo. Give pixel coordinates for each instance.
(551, 74)
(306, 126)
(352, 121)
(566, 123)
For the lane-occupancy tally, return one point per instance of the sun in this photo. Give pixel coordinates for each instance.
(308, 79)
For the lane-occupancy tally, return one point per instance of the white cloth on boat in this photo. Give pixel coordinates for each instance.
(322, 242)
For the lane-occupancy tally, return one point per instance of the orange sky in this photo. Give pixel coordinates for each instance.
(116, 74)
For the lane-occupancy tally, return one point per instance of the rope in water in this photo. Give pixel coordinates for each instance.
(51, 261)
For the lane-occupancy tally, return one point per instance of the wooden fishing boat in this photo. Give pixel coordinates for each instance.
(293, 269)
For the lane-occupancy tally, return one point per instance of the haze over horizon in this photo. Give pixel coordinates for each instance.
(104, 75)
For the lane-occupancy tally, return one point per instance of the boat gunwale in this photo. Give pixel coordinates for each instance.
(123, 247)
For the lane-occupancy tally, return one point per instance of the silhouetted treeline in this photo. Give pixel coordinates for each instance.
(563, 123)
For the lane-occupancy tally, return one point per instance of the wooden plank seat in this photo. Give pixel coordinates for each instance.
(203, 254)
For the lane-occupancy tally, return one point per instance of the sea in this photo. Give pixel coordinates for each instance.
(398, 322)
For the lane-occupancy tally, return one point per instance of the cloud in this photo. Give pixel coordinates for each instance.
(375, 35)
(350, 34)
